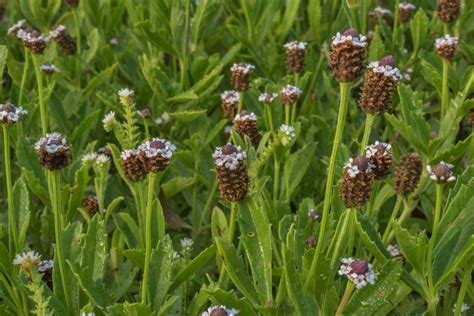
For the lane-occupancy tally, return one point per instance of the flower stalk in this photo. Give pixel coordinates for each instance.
(39, 80)
(434, 233)
(345, 88)
(12, 230)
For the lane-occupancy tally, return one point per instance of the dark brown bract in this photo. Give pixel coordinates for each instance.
(347, 55)
(156, 154)
(407, 174)
(91, 204)
(447, 10)
(240, 76)
(33, 40)
(229, 102)
(295, 56)
(132, 165)
(405, 11)
(245, 124)
(356, 185)
(380, 157)
(53, 151)
(65, 41)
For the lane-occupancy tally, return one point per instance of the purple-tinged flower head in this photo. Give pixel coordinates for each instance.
(394, 251)
(446, 46)
(49, 69)
(10, 114)
(220, 310)
(314, 215)
(358, 271)
(441, 172)
(289, 95)
(348, 51)
(267, 98)
(380, 156)
(240, 76)
(229, 102)
(156, 154)
(295, 56)
(53, 151)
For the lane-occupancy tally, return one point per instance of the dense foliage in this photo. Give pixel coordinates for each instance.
(221, 157)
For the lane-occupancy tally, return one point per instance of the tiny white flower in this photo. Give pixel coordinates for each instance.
(464, 307)
(187, 244)
(27, 257)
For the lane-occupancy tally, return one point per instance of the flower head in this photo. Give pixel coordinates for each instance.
(109, 121)
(33, 40)
(394, 251)
(126, 95)
(27, 259)
(287, 134)
(10, 114)
(358, 271)
(267, 98)
(187, 244)
(53, 151)
(229, 156)
(464, 307)
(156, 154)
(49, 69)
(220, 310)
(240, 76)
(289, 94)
(19, 25)
(89, 159)
(441, 172)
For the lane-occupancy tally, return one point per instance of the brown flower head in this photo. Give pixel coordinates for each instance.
(132, 164)
(145, 113)
(245, 124)
(313, 215)
(229, 102)
(358, 271)
(347, 55)
(289, 94)
(407, 174)
(267, 98)
(19, 25)
(380, 156)
(156, 154)
(447, 10)
(91, 204)
(53, 151)
(356, 185)
(27, 260)
(405, 10)
(381, 13)
(441, 172)
(295, 56)
(220, 310)
(45, 267)
(231, 172)
(311, 241)
(65, 41)
(446, 46)
(33, 40)
(49, 69)
(382, 79)
(10, 114)
(73, 3)
(240, 76)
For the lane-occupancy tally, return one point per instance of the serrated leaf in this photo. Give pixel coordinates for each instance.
(187, 116)
(160, 272)
(94, 250)
(413, 248)
(127, 226)
(419, 29)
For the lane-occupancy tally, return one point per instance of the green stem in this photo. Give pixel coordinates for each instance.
(39, 80)
(269, 115)
(148, 215)
(395, 25)
(287, 114)
(345, 298)
(287, 179)
(241, 102)
(388, 229)
(345, 88)
(184, 48)
(77, 23)
(352, 226)
(54, 185)
(26, 69)
(466, 280)
(434, 233)
(445, 91)
(276, 178)
(12, 229)
(346, 219)
(232, 221)
(369, 122)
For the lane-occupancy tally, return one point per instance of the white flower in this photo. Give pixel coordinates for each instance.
(394, 250)
(296, 45)
(230, 161)
(382, 11)
(126, 92)
(13, 30)
(57, 31)
(156, 147)
(27, 257)
(102, 160)
(357, 41)
(373, 149)
(352, 170)
(45, 265)
(49, 69)
(242, 67)
(230, 312)
(290, 90)
(267, 97)
(109, 121)
(246, 117)
(89, 159)
(387, 71)
(53, 143)
(359, 272)
(406, 6)
(230, 97)
(187, 244)
(464, 307)
(287, 134)
(446, 40)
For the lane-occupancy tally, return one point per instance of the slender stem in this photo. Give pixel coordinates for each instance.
(287, 179)
(395, 210)
(369, 122)
(276, 178)
(26, 69)
(352, 226)
(207, 205)
(77, 23)
(149, 208)
(147, 130)
(345, 298)
(445, 91)
(241, 102)
(12, 230)
(466, 280)
(287, 114)
(232, 221)
(54, 185)
(39, 80)
(345, 88)
(395, 25)
(346, 219)
(185, 44)
(434, 232)
(269, 115)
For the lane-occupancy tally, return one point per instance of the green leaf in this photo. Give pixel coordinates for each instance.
(289, 17)
(129, 229)
(160, 272)
(3, 60)
(197, 263)
(129, 309)
(93, 41)
(187, 116)
(228, 299)
(176, 185)
(431, 75)
(137, 256)
(419, 29)
(21, 203)
(369, 299)
(314, 16)
(414, 249)
(298, 164)
(94, 250)
(377, 48)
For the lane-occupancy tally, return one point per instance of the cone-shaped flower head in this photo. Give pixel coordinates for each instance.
(382, 80)
(10, 114)
(267, 98)
(231, 172)
(407, 174)
(229, 102)
(220, 310)
(240, 76)
(314, 215)
(380, 156)
(357, 179)
(156, 154)
(446, 46)
(447, 10)
(132, 164)
(33, 40)
(289, 94)
(311, 241)
(53, 151)
(107, 152)
(27, 259)
(19, 25)
(49, 69)
(90, 203)
(405, 11)
(245, 124)
(441, 172)
(381, 13)
(347, 56)
(144, 113)
(358, 271)
(295, 56)
(65, 41)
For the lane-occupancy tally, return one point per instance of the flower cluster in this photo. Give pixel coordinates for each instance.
(33, 40)
(289, 94)
(380, 157)
(245, 124)
(65, 41)
(441, 172)
(49, 69)
(348, 51)
(387, 69)
(240, 76)
(287, 134)
(156, 154)
(405, 10)
(229, 156)
(53, 151)
(220, 310)
(10, 114)
(229, 101)
(446, 46)
(358, 271)
(295, 55)
(357, 179)
(407, 174)
(394, 251)
(267, 98)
